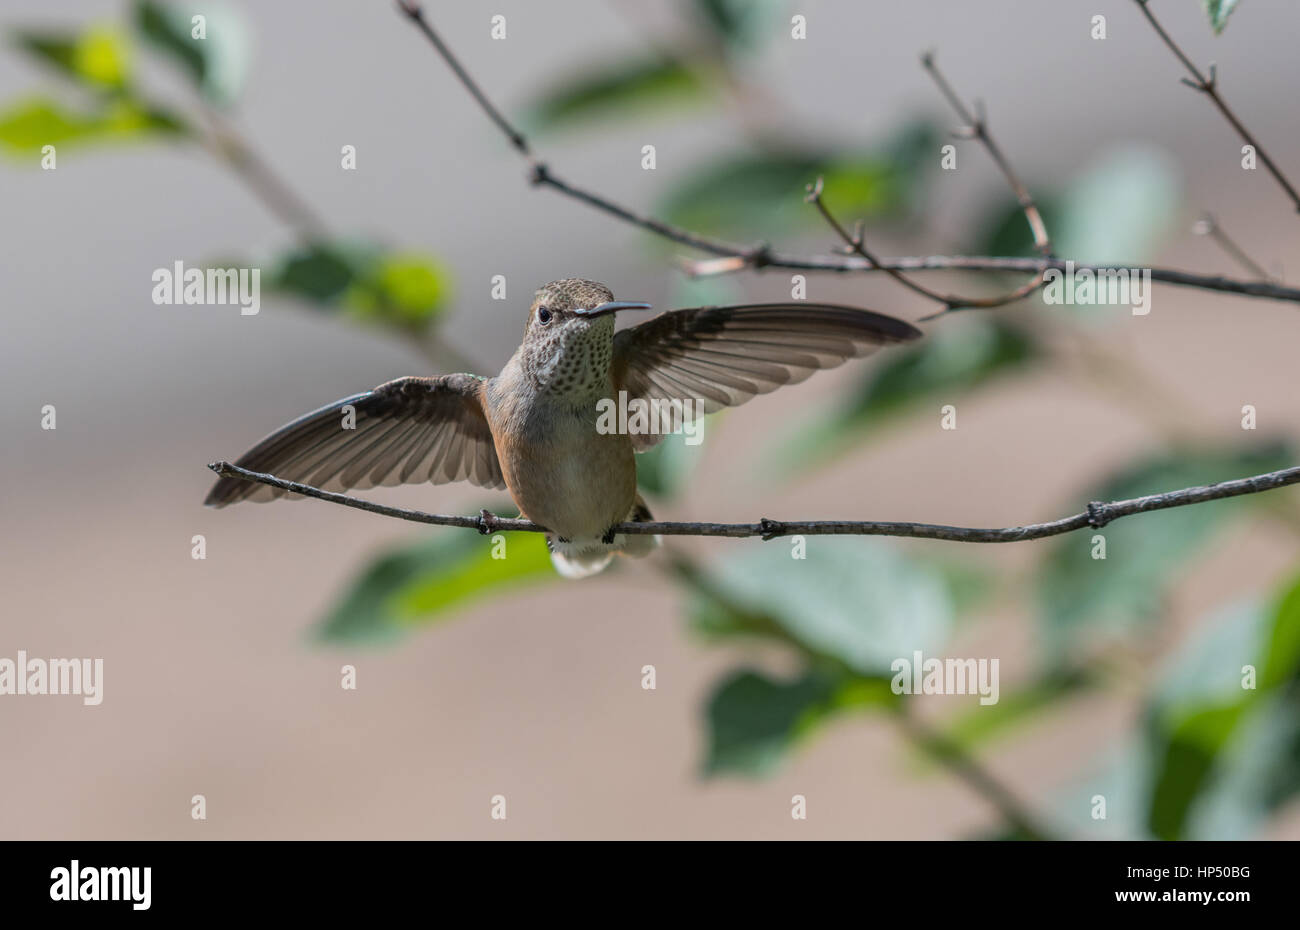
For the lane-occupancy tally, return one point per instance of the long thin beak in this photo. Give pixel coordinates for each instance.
(613, 306)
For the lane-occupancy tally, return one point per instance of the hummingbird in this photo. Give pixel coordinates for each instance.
(534, 429)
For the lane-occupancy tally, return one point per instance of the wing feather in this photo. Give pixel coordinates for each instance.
(723, 356)
(411, 430)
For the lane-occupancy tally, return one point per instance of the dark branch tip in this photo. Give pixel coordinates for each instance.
(760, 256)
(539, 173)
(770, 529)
(487, 522)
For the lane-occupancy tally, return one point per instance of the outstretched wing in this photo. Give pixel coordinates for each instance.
(408, 431)
(723, 356)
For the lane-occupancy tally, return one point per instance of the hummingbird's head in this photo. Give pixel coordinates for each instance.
(569, 338)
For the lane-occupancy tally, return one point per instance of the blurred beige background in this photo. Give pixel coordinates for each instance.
(211, 686)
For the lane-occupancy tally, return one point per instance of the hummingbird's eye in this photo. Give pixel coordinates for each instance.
(543, 315)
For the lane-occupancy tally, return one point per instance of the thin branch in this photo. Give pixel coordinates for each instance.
(854, 243)
(856, 264)
(1210, 87)
(977, 128)
(228, 146)
(541, 174)
(1097, 515)
(1208, 225)
(731, 257)
(961, 763)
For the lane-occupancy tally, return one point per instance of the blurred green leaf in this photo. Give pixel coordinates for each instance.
(323, 272)
(1005, 231)
(1225, 755)
(217, 63)
(953, 360)
(402, 289)
(1080, 594)
(1017, 706)
(1215, 759)
(761, 194)
(415, 585)
(97, 57)
(399, 289)
(1190, 747)
(30, 124)
(754, 720)
(1120, 208)
(1281, 661)
(739, 24)
(624, 89)
(1218, 11)
(856, 601)
(1117, 210)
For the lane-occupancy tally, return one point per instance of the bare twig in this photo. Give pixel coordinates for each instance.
(1209, 85)
(854, 264)
(854, 243)
(961, 763)
(977, 128)
(1097, 515)
(732, 257)
(1208, 225)
(278, 197)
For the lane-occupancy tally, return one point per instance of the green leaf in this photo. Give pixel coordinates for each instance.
(754, 720)
(1218, 11)
(413, 586)
(858, 602)
(1120, 208)
(1191, 746)
(217, 63)
(759, 195)
(953, 360)
(1117, 210)
(625, 89)
(1080, 594)
(739, 24)
(323, 272)
(1215, 758)
(403, 290)
(1211, 773)
(98, 57)
(1021, 705)
(31, 124)
(1281, 663)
